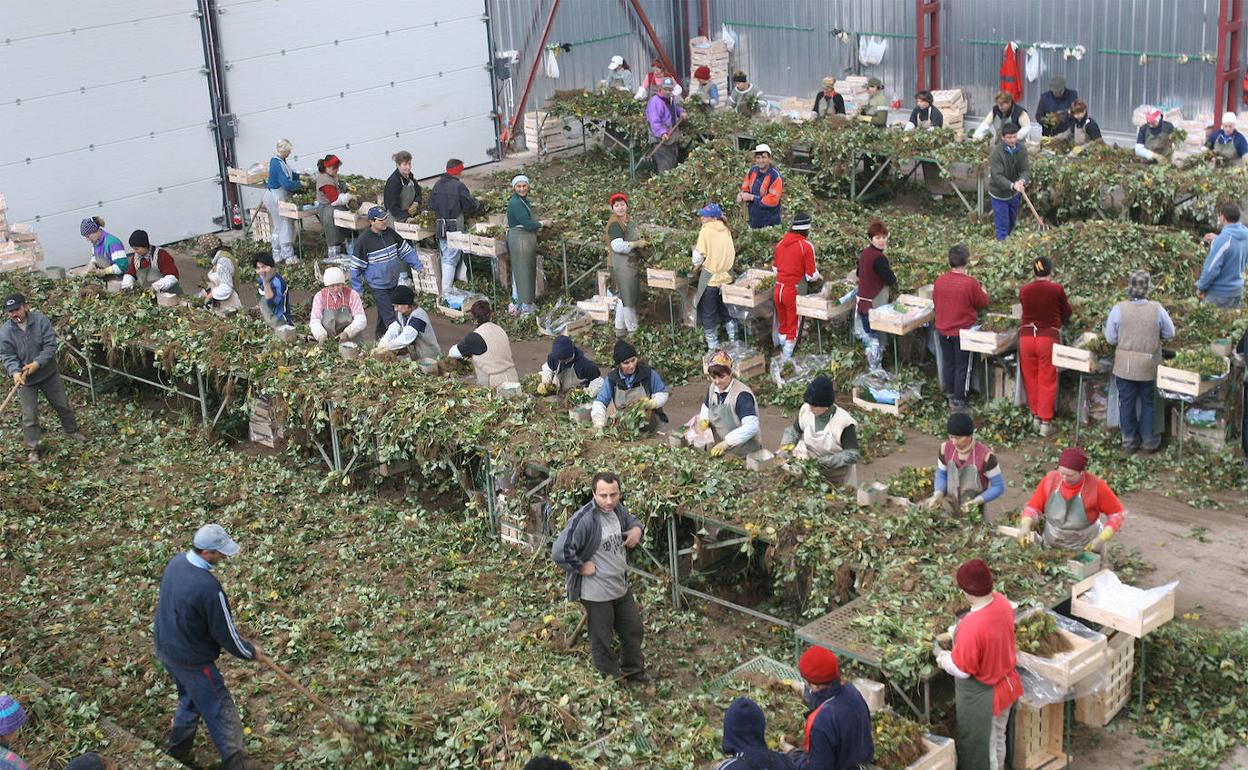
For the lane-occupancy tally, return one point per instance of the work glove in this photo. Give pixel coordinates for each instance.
(413, 209)
(1024, 531)
(640, 243)
(934, 501)
(112, 270)
(1104, 537)
(652, 403)
(545, 389)
(19, 378)
(785, 449)
(1077, 150)
(977, 500)
(344, 199)
(719, 449)
(1161, 159)
(30, 368)
(704, 425)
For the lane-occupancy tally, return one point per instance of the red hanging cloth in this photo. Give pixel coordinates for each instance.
(1011, 75)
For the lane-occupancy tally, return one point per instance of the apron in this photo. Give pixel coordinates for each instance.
(445, 226)
(1158, 143)
(827, 105)
(266, 313)
(1066, 523)
(973, 700)
(522, 248)
(407, 193)
(624, 271)
(816, 444)
(334, 235)
(146, 276)
(963, 483)
(723, 417)
(879, 300)
(1227, 154)
(336, 321)
(426, 344)
(623, 399)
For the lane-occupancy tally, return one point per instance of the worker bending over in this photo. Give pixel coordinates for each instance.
(1072, 500)
(825, 433)
(568, 368)
(630, 383)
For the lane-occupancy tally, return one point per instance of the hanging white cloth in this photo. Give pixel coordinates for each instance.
(1034, 65)
(552, 65)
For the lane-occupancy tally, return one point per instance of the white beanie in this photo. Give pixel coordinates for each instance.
(1230, 117)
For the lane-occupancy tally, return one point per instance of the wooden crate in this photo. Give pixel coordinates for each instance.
(1185, 382)
(244, 177)
(941, 754)
(920, 311)
(486, 246)
(658, 278)
(412, 232)
(288, 210)
(874, 406)
(458, 240)
(574, 326)
(512, 532)
(598, 307)
(1161, 611)
(1074, 357)
(1100, 707)
(261, 225)
(988, 343)
(1067, 668)
(1038, 734)
(425, 280)
(745, 291)
(350, 219)
(823, 308)
(752, 366)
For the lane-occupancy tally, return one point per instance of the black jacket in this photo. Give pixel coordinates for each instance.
(390, 196)
(449, 201)
(838, 103)
(193, 622)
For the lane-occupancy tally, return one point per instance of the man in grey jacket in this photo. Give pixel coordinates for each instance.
(28, 351)
(593, 550)
(1008, 174)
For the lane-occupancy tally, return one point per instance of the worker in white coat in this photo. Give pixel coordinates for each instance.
(825, 433)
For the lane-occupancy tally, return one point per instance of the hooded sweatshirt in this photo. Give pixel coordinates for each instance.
(715, 244)
(1223, 272)
(745, 740)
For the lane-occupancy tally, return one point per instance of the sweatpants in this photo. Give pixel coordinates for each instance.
(955, 367)
(607, 620)
(785, 298)
(1005, 215)
(53, 389)
(202, 695)
(1035, 358)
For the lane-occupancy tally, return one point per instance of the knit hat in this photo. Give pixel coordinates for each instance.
(720, 358)
(213, 537)
(518, 178)
(12, 715)
(376, 212)
(740, 77)
(1042, 266)
(819, 666)
(617, 197)
(208, 242)
(402, 295)
(960, 424)
(801, 221)
(624, 350)
(563, 349)
(1139, 284)
(820, 391)
(875, 82)
(745, 728)
(975, 578)
(333, 276)
(14, 301)
(1057, 84)
(1229, 117)
(88, 761)
(139, 238)
(702, 73)
(87, 227)
(711, 210)
(1073, 458)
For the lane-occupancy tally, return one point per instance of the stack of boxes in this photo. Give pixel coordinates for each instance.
(952, 105)
(19, 246)
(545, 133)
(712, 54)
(853, 90)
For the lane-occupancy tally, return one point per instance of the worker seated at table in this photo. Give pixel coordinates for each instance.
(838, 726)
(925, 115)
(1229, 146)
(568, 368)
(875, 111)
(630, 384)
(825, 433)
(1154, 141)
(729, 410)
(967, 472)
(411, 331)
(1083, 129)
(337, 309)
(1072, 500)
(489, 347)
(153, 267)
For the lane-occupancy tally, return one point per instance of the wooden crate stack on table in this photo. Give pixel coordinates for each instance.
(853, 90)
(19, 246)
(714, 55)
(952, 105)
(545, 133)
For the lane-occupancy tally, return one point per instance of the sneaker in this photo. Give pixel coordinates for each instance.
(1149, 450)
(1046, 428)
(32, 457)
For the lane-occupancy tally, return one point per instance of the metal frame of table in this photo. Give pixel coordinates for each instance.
(854, 194)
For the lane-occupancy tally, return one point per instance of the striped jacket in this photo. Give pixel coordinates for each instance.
(377, 257)
(193, 621)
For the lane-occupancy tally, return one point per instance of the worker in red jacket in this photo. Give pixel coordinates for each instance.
(1071, 500)
(958, 298)
(794, 261)
(983, 666)
(1045, 310)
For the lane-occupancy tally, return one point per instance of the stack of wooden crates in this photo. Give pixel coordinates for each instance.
(544, 133)
(265, 427)
(952, 105)
(714, 55)
(19, 246)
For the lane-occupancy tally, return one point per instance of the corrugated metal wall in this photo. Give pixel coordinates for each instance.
(1112, 85)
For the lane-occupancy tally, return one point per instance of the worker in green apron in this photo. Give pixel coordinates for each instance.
(729, 410)
(623, 249)
(522, 229)
(1072, 500)
(967, 472)
(630, 382)
(1229, 146)
(983, 664)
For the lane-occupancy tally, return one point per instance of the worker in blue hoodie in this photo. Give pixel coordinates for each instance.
(1221, 281)
(745, 741)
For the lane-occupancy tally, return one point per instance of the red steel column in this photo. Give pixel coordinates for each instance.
(1226, 85)
(537, 60)
(654, 38)
(927, 57)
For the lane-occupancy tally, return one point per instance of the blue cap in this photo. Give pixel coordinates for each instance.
(667, 83)
(376, 212)
(711, 210)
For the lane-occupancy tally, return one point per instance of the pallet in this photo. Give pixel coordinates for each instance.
(1187, 383)
(986, 342)
(1074, 357)
(351, 220)
(1160, 612)
(249, 178)
(1038, 734)
(1100, 707)
(658, 278)
(1067, 668)
(745, 291)
(920, 312)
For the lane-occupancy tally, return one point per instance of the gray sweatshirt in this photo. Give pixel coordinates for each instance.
(579, 541)
(37, 342)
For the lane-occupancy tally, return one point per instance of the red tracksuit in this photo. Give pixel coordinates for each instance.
(1045, 309)
(794, 260)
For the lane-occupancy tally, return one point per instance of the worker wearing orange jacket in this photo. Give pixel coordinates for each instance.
(794, 262)
(762, 189)
(1072, 501)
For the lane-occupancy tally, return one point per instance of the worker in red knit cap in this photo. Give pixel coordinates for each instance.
(838, 727)
(1072, 501)
(982, 664)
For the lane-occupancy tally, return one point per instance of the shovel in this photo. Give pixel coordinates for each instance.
(352, 728)
(656, 147)
(1039, 222)
(9, 397)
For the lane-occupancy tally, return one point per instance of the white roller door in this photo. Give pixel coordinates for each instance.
(104, 110)
(361, 80)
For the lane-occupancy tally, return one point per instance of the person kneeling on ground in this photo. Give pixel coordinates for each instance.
(568, 368)
(153, 267)
(274, 299)
(593, 550)
(337, 309)
(630, 382)
(411, 329)
(967, 472)
(1072, 500)
(729, 410)
(745, 740)
(825, 433)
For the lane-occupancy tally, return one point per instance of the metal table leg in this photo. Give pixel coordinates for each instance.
(203, 397)
(673, 560)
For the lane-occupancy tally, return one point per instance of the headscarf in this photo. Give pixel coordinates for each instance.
(517, 179)
(88, 227)
(720, 358)
(1139, 284)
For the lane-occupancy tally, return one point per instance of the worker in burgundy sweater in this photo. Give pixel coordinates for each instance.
(1071, 500)
(958, 298)
(1045, 310)
(983, 666)
(794, 263)
(875, 277)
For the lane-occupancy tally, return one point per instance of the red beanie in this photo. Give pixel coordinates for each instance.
(702, 73)
(1073, 458)
(819, 666)
(618, 197)
(975, 578)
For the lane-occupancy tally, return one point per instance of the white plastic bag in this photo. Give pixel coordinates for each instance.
(1033, 65)
(552, 65)
(730, 37)
(871, 50)
(1110, 593)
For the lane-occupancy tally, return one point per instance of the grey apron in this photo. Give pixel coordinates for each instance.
(704, 281)
(407, 193)
(1066, 523)
(146, 276)
(624, 271)
(1227, 154)
(336, 321)
(624, 399)
(963, 483)
(973, 700)
(1158, 143)
(265, 311)
(522, 250)
(723, 419)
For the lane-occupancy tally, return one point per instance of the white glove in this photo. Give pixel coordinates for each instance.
(165, 283)
(910, 126)
(344, 199)
(127, 281)
(981, 132)
(600, 420)
(698, 259)
(319, 333)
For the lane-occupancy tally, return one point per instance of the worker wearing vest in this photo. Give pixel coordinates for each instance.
(828, 101)
(729, 410)
(1153, 142)
(743, 97)
(838, 726)
(1072, 501)
(1228, 145)
(875, 280)
(762, 189)
(1082, 131)
(1136, 328)
(1004, 110)
(983, 666)
(967, 471)
(153, 267)
(411, 330)
(337, 309)
(825, 433)
(630, 382)
(489, 348)
(925, 115)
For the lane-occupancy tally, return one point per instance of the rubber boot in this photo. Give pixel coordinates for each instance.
(712, 341)
(730, 326)
(236, 761)
(334, 252)
(448, 278)
(183, 751)
(786, 352)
